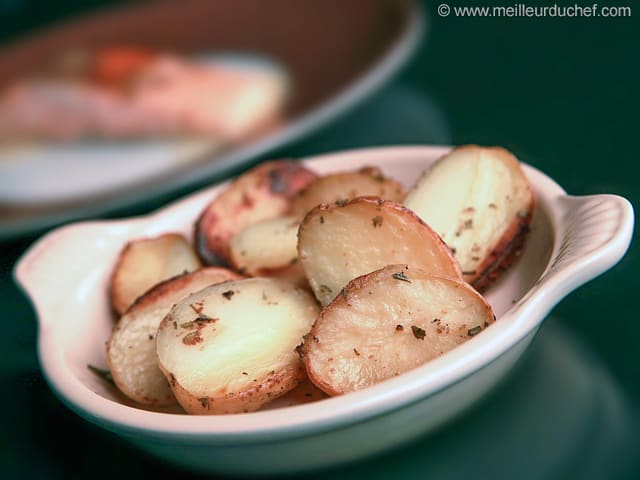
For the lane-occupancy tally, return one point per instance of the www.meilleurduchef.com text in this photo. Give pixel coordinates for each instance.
(533, 11)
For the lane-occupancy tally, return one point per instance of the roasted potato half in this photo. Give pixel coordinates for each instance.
(131, 349)
(388, 322)
(338, 243)
(230, 348)
(268, 248)
(481, 203)
(260, 193)
(265, 246)
(342, 186)
(147, 261)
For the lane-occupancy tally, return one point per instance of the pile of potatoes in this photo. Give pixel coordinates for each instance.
(344, 279)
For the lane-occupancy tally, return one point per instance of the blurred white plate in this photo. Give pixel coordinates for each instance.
(45, 185)
(34, 174)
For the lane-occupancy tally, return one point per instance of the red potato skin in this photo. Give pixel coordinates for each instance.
(504, 254)
(176, 283)
(274, 182)
(264, 391)
(508, 248)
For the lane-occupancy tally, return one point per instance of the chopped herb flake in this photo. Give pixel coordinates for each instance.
(418, 332)
(474, 331)
(401, 276)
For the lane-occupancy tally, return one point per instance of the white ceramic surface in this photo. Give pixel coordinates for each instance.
(573, 239)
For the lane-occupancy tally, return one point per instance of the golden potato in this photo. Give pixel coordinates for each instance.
(481, 203)
(388, 322)
(342, 186)
(230, 348)
(131, 349)
(266, 246)
(145, 262)
(341, 242)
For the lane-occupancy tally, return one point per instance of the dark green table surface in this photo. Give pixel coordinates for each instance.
(564, 95)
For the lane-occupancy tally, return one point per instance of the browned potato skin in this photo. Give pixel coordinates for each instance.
(341, 186)
(508, 248)
(116, 297)
(342, 301)
(313, 217)
(250, 400)
(504, 254)
(262, 192)
(176, 283)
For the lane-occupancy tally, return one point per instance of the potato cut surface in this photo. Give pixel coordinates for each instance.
(260, 193)
(231, 347)
(388, 322)
(480, 202)
(131, 349)
(266, 246)
(341, 186)
(341, 242)
(146, 262)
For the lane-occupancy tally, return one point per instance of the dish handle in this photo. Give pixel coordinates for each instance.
(594, 234)
(49, 269)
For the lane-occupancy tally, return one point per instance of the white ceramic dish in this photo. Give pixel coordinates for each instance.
(573, 239)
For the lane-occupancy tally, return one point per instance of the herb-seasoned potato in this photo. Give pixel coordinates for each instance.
(480, 201)
(131, 349)
(147, 261)
(265, 246)
(262, 192)
(388, 322)
(230, 348)
(341, 242)
(342, 186)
